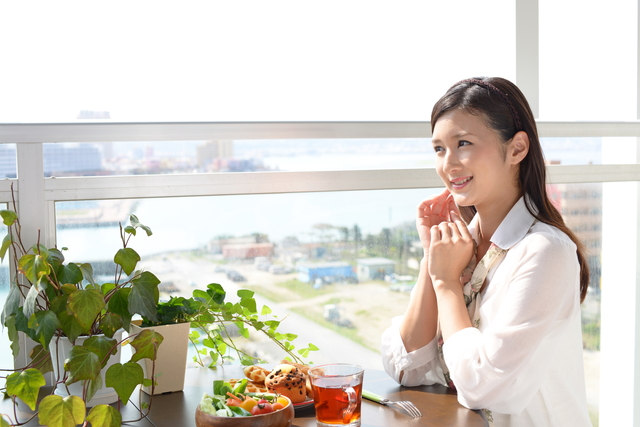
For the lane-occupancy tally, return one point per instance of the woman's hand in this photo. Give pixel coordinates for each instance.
(433, 211)
(450, 250)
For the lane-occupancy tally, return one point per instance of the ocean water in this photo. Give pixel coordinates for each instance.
(192, 222)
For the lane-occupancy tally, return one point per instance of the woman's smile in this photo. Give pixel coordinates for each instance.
(460, 183)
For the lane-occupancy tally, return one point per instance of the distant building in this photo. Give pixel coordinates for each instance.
(59, 159)
(215, 245)
(327, 272)
(71, 159)
(375, 268)
(581, 207)
(211, 150)
(7, 161)
(247, 250)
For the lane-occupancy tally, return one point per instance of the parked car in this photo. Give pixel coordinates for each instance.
(279, 269)
(235, 276)
(263, 266)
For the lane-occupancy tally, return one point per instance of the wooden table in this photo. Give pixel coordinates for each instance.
(438, 404)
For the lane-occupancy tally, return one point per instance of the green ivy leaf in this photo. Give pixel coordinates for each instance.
(104, 416)
(313, 347)
(29, 306)
(44, 323)
(214, 358)
(107, 287)
(143, 298)
(265, 310)
(124, 379)
(56, 411)
(69, 274)
(12, 333)
(83, 364)
(68, 288)
(134, 222)
(146, 344)
(216, 293)
(34, 267)
(6, 243)
(3, 422)
(119, 304)
(87, 272)
(110, 323)
(249, 304)
(245, 293)
(8, 217)
(127, 258)
(55, 260)
(93, 386)
(22, 325)
(25, 385)
(68, 323)
(86, 305)
(102, 346)
(12, 302)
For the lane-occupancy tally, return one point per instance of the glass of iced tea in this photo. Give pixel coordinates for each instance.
(337, 394)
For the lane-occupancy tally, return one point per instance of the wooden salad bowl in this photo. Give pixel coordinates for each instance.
(281, 418)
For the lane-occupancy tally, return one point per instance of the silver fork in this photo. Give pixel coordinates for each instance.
(404, 404)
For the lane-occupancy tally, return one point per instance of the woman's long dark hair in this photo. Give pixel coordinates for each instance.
(503, 107)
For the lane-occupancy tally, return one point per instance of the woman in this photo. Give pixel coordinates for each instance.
(495, 312)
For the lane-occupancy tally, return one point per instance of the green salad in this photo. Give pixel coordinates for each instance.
(234, 402)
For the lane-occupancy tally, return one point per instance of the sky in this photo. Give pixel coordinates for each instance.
(292, 60)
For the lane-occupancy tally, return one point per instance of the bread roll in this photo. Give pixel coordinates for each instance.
(289, 381)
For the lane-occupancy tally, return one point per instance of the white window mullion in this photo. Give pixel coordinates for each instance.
(527, 55)
(35, 215)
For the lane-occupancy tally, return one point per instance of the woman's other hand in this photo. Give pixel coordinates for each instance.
(450, 250)
(433, 211)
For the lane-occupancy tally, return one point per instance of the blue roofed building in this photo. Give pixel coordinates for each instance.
(327, 272)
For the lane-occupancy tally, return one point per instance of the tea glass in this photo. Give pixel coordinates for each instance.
(337, 394)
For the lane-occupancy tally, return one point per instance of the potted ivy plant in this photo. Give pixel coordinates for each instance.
(79, 322)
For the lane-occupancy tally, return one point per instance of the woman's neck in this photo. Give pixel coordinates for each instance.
(491, 216)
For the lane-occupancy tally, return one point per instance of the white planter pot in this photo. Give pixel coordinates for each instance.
(60, 353)
(171, 361)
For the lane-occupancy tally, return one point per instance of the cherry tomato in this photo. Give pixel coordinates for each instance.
(283, 401)
(276, 406)
(233, 402)
(249, 403)
(262, 408)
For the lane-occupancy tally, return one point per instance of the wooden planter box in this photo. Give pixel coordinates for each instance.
(171, 362)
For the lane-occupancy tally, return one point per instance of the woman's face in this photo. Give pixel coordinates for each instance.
(472, 161)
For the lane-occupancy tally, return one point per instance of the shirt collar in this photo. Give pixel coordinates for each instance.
(513, 227)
